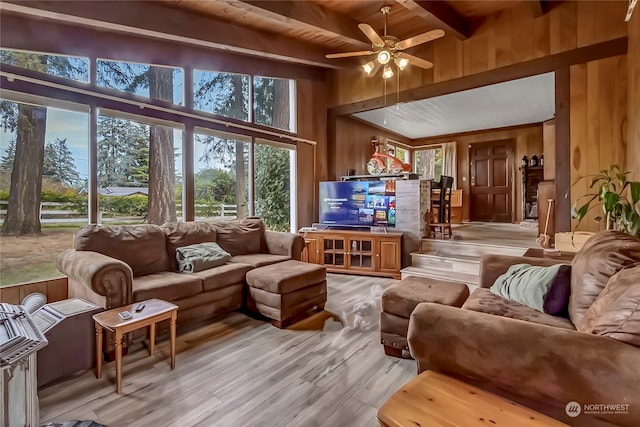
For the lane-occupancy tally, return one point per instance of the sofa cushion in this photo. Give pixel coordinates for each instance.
(616, 312)
(167, 285)
(201, 256)
(484, 301)
(222, 276)
(602, 256)
(259, 260)
(184, 234)
(240, 237)
(142, 246)
(545, 289)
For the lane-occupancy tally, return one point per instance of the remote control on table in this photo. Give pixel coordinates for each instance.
(139, 307)
(125, 315)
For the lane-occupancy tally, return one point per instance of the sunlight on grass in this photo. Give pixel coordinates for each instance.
(32, 258)
(29, 273)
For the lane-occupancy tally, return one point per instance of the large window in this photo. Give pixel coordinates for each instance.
(428, 163)
(150, 81)
(221, 166)
(61, 138)
(275, 185)
(137, 171)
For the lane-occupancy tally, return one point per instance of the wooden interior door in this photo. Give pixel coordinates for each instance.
(491, 172)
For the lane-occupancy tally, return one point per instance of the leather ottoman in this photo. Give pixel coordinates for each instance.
(286, 290)
(399, 301)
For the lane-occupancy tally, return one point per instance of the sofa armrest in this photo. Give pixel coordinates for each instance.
(281, 243)
(541, 366)
(98, 273)
(492, 266)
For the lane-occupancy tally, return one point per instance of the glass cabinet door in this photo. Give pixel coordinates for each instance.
(333, 250)
(361, 254)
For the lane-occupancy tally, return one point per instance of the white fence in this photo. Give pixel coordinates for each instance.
(61, 213)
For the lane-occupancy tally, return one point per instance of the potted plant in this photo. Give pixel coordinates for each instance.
(619, 198)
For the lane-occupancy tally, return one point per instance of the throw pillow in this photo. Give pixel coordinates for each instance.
(545, 289)
(616, 311)
(202, 256)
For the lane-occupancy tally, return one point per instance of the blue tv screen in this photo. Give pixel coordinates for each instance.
(358, 203)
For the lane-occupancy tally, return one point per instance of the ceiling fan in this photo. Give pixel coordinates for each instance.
(388, 48)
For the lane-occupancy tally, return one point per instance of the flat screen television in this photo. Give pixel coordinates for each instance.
(358, 203)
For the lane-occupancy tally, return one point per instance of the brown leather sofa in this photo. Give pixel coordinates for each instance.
(117, 265)
(591, 356)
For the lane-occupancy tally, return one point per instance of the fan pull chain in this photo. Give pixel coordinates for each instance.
(385, 101)
(398, 91)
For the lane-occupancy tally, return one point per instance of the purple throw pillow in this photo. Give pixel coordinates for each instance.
(557, 298)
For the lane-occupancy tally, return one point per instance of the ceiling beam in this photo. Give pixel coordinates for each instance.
(173, 25)
(452, 21)
(537, 6)
(309, 16)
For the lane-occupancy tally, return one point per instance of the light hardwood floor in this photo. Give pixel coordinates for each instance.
(240, 371)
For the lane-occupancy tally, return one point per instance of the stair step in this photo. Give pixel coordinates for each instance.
(454, 248)
(452, 276)
(467, 264)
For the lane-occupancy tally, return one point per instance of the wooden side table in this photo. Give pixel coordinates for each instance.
(155, 310)
(434, 400)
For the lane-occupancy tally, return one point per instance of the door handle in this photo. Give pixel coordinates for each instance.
(473, 181)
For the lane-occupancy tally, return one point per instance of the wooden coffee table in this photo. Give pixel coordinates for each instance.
(155, 310)
(434, 400)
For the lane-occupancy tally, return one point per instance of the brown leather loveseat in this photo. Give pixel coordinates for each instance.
(117, 265)
(591, 356)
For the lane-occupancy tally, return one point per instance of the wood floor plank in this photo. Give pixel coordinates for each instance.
(241, 371)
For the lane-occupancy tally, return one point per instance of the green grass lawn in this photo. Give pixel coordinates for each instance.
(32, 258)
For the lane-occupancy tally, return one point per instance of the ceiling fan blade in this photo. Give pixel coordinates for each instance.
(371, 34)
(419, 39)
(414, 60)
(349, 54)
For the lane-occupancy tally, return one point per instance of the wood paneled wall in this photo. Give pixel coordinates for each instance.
(353, 145)
(54, 290)
(598, 125)
(311, 160)
(528, 141)
(504, 38)
(633, 76)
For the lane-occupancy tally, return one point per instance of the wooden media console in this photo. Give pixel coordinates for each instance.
(355, 252)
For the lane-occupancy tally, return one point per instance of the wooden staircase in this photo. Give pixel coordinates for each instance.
(452, 260)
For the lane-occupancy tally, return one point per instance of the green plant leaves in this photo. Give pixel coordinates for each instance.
(620, 207)
(635, 192)
(610, 200)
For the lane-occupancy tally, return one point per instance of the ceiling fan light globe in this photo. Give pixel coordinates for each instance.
(368, 67)
(402, 63)
(384, 56)
(387, 73)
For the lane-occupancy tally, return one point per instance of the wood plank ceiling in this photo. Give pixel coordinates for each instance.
(332, 24)
(292, 31)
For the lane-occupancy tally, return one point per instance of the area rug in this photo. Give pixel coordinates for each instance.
(75, 423)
